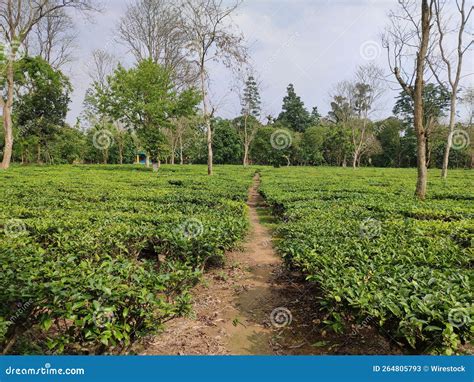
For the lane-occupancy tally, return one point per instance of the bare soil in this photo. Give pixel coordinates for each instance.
(236, 308)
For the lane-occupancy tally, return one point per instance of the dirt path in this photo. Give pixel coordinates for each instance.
(254, 305)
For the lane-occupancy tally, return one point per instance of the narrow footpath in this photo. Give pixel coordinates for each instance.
(254, 305)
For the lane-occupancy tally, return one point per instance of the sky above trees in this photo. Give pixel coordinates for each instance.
(310, 43)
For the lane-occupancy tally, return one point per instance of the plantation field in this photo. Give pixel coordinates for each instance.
(378, 254)
(94, 257)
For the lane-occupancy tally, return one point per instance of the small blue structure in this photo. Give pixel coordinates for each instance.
(141, 158)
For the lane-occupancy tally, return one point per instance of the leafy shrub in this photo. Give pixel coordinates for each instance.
(377, 252)
(95, 257)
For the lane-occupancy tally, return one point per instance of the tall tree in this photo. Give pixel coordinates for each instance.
(53, 39)
(315, 116)
(100, 68)
(342, 113)
(450, 62)
(294, 114)
(17, 20)
(248, 124)
(408, 33)
(41, 101)
(367, 91)
(211, 37)
(145, 98)
(151, 30)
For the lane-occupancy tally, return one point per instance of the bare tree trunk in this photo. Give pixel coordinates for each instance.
(354, 160)
(7, 118)
(246, 142)
(453, 67)
(246, 154)
(418, 101)
(173, 150)
(207, 119)
(120, 149)
(452, 120)
(421, 166)
(181, 159)
(209, 147)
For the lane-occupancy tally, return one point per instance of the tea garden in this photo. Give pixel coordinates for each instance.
(93, 258)
(377, 253)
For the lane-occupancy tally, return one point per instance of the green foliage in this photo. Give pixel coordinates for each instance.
(435, 99)
(263, 152)
(341, 109)
(312, 145)
(377, 252)
(226, 143)
(144, 98)
(40, 105)
(294, 114)
(388, 132)
(336, 147)
(251, 104)
(104, 255)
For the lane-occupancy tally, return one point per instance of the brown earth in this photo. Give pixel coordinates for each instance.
(255, 305)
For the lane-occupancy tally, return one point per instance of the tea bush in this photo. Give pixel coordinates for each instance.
(94, 257)
(378, 253)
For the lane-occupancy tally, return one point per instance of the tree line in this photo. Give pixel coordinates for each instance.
(161, 106)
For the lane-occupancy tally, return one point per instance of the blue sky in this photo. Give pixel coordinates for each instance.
(310, 43)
